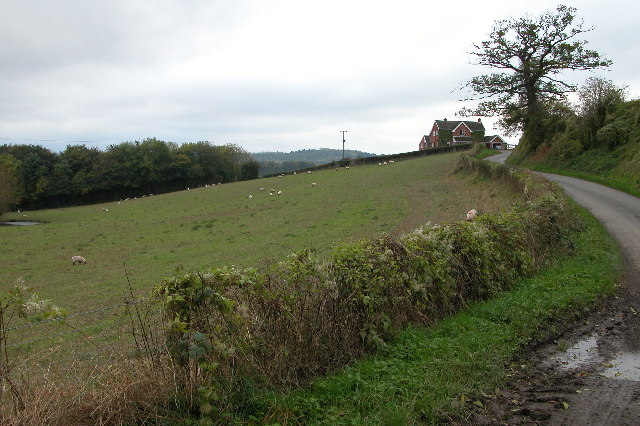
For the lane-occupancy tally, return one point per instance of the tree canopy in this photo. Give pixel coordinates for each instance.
(33, 177)
(530, 54)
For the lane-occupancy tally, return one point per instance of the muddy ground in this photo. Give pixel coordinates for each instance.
(588, 375)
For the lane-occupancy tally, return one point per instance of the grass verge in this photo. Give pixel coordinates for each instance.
(628, 185)
(434, 375)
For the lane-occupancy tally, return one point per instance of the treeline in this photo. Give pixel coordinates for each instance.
(273, 167)
(600, 134)
(35, 177)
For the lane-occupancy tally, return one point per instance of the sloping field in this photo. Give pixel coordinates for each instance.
(221, 225)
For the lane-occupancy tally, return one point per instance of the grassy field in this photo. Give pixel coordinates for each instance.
(220, 225)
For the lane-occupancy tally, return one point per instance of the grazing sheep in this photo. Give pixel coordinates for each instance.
(250, 196)
(295, 173)
(309, 172)
(314, 184)
(261, 189)
(279, 192)
(471, 214)
(78, 259)
(105, 210)
(347, 167)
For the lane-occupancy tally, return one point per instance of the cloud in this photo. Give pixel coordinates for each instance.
(277, 75)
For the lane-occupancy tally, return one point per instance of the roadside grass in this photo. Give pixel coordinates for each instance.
(437, 374)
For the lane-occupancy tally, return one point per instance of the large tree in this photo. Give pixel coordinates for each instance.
(530, 53)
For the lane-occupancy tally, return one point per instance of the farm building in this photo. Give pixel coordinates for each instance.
(445, 132)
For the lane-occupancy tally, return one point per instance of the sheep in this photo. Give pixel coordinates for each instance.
(78, 259)
(250, 196)
(105, 210)
(261, 189)
(279, 192)
(314, 184)
(471, 214)
(309, 172)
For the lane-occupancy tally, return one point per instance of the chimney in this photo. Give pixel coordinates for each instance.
(445, 119)
(479, 121)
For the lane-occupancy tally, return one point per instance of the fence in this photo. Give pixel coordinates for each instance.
(131, 329)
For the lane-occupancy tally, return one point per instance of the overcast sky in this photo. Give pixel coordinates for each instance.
(266, 75)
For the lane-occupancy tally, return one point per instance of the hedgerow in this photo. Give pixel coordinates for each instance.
(278, 327)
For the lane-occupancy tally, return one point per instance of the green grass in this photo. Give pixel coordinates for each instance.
(209, 227)
(435, 375)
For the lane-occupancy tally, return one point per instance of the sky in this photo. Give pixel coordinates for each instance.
(269, 75)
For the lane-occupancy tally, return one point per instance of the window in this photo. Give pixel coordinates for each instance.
(461, 132)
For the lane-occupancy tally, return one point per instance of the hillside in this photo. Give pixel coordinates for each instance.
(315, 156)
(220, 225)
(604, 147)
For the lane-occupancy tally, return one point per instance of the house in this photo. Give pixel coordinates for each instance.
(495, 142)
(445, 132)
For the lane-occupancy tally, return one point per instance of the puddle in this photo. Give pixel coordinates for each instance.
(583, 352)
(18, 223)
(623, 366)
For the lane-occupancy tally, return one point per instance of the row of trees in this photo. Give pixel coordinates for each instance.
(33, 177)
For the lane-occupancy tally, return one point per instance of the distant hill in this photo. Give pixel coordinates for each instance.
(315, 156)
(279, 162)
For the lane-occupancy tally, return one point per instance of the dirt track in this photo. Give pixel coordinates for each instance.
(596, 381)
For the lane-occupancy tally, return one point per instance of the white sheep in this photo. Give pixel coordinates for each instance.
(279, 192)
(309, 172)
(314, 184)
(261, 189)
(105, 210)
(250, 196)
(78, 259)
(471, 214)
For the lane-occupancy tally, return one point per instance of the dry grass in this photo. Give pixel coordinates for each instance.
(122, 392)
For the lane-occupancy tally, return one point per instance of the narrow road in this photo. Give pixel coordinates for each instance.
(604, 386)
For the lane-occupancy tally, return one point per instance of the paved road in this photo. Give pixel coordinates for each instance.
(596, 399)
(617, 211)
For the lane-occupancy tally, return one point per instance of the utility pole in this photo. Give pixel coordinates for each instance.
(343, 132)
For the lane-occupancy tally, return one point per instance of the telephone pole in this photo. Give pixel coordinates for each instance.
(343, 132)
